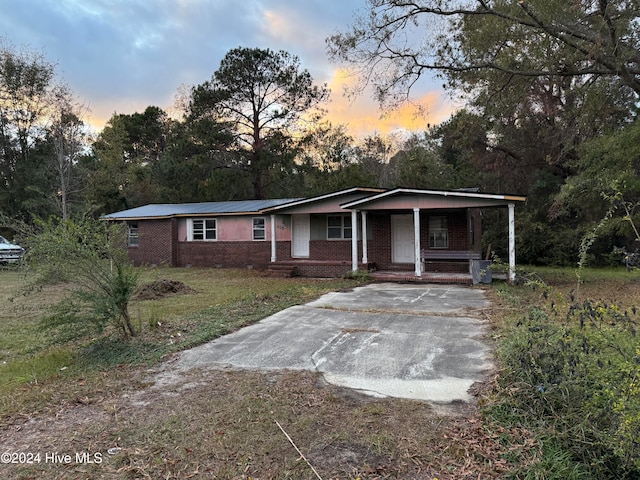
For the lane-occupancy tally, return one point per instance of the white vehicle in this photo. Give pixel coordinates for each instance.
(10, 253)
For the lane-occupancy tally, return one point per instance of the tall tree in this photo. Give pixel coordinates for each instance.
(418, 164)
(539, 79)
(25, 82)
(373, 154)
(595, 39)
(124, 157)
(109, 168)
(69, 139)
(196, 164)
(262, 95)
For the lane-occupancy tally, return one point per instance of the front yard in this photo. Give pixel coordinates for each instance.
(81, 404)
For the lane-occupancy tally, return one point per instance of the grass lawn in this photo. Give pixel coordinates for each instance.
(73, 391)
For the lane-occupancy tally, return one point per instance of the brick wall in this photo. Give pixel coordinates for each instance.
(156, 243)
(458, 240)
(379, 245)
(339, 250)
(458, 235)
(326, 270)
(224, 254)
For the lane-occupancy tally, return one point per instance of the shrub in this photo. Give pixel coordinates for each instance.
(575, 372)
(89, 254)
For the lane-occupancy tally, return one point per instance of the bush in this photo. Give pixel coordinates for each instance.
(575, 372)
(89, 254)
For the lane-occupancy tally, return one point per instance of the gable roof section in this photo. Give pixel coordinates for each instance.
(328, 197)
(456, 198)
(169, 210)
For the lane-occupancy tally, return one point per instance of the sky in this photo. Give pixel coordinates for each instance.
(120, 56)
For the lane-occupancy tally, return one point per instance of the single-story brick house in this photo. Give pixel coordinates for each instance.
(324, 236)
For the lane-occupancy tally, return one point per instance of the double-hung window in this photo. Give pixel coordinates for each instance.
(132, 235)
(259, 228)
(438, 232)
(204, 229)
(339, 227)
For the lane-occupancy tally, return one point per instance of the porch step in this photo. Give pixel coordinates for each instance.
(427, 277)
(281, 271)
(401, 267)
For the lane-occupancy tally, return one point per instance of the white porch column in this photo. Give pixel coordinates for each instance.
(416, 235)
(273, 238)
(365, 254)
(512, 243)
(354, 240)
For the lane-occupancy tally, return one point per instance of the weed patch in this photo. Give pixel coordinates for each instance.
(570, 367)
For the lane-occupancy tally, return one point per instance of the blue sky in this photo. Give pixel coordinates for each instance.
(120, 56)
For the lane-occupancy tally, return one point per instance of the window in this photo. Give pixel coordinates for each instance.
(132, 235)
(203, 229)
(438, 232)
(339, 227)
(259, 228)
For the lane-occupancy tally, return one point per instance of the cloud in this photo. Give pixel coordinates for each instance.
(120, 56)
(363, 116)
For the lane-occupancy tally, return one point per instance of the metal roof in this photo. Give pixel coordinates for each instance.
(303, 201)
(167, 210)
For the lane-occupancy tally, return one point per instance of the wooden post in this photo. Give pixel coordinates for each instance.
(416, 234)
(354, 240)
(512, 243)
(365, 254)
(273, 238)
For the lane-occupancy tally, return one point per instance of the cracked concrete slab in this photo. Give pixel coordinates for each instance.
(422, 342)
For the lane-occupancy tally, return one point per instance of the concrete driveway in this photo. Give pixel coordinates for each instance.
(422, 342)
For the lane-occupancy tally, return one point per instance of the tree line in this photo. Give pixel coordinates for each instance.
(550, 106)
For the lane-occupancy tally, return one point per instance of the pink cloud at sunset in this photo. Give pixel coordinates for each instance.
(363, 116)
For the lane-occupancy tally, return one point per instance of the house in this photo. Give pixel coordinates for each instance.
(325, 236)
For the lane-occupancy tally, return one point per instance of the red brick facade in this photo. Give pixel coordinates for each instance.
(158, 244)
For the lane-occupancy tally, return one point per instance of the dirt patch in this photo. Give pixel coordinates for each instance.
(222, 424)
(162, 288)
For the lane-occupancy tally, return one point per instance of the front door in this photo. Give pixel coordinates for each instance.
(301, 234)
(402, 239)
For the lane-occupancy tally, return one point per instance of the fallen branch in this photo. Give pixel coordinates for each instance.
(298, 450)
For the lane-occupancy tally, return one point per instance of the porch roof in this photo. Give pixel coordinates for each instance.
(327, 203)
(409, 198)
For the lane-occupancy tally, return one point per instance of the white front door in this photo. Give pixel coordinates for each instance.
(402, 239)
(300, 233)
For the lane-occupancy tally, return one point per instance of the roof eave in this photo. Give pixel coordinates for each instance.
(442, 193)
(324, 197)
(185, 215)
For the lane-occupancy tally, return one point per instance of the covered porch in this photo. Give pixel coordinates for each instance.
(411, 241)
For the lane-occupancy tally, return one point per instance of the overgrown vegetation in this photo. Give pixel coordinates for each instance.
(89, 255)
(569, 372)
